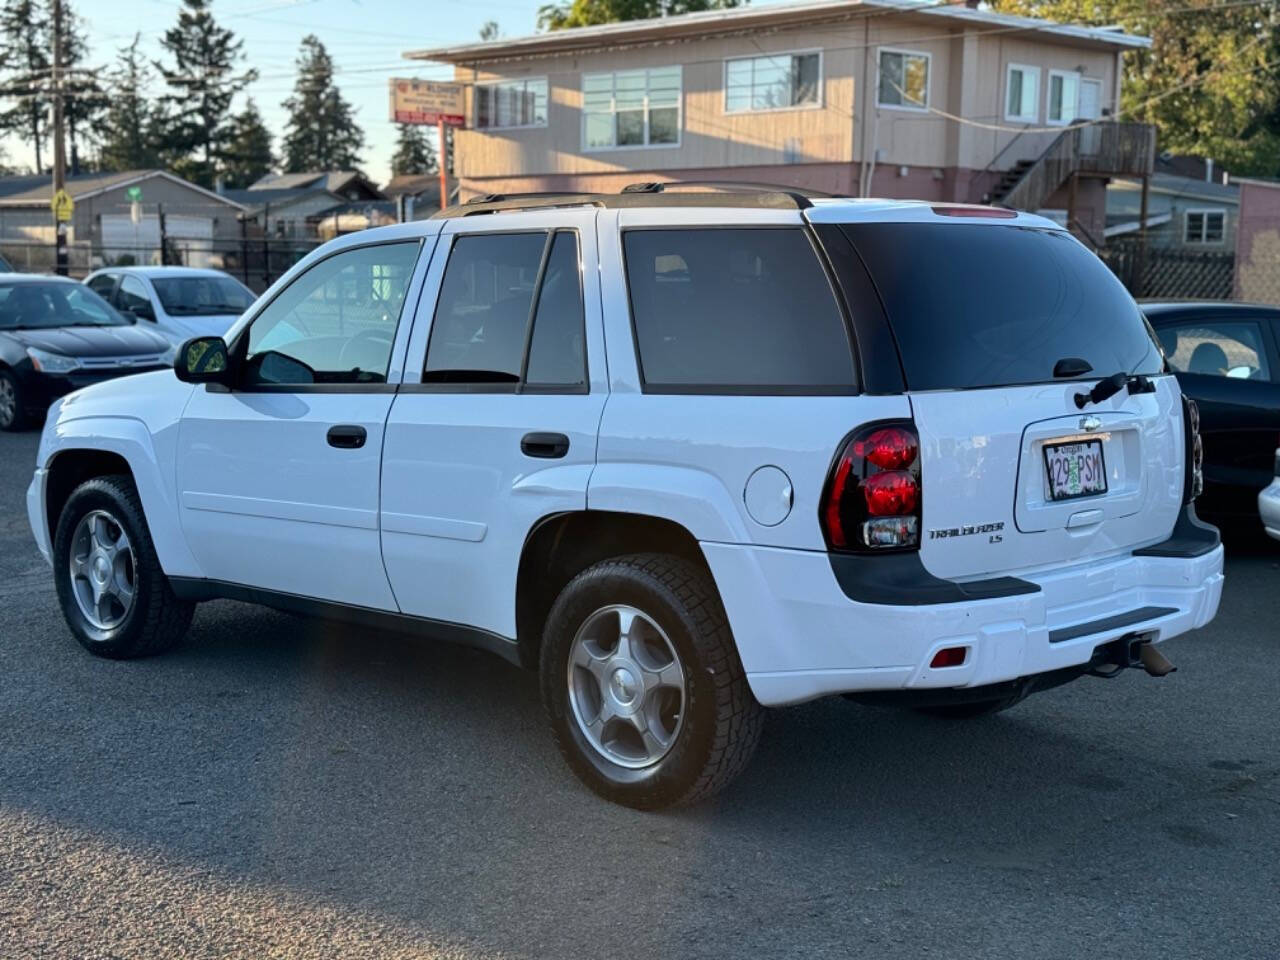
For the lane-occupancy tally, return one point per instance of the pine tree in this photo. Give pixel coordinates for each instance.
(248, 155)
(203, 82)
(131, 127)
(86, 100)
(25, 56)
(414, 153)
(322, 133)
(490, 30)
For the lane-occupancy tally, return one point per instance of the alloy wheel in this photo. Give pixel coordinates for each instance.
(103, 570)
(627, 688)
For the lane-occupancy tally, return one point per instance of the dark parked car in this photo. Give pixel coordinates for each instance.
(1227, 359)
(56, 336)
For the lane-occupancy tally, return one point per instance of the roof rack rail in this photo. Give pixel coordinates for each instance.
(732, 186)
(636, 195)
(503, 197)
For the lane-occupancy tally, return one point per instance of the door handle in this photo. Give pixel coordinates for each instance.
(347, 436)
(547, 446)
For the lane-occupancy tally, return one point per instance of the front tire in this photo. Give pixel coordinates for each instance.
(12, 410)
(114, 596)
(642, 683)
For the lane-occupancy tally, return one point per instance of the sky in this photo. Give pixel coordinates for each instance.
(365, 38)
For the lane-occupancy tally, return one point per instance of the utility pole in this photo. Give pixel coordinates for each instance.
(444, 164)
(59, 143)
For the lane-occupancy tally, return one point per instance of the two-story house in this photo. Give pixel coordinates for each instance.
(862, 97)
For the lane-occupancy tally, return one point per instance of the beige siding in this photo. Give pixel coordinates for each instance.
(966, 78)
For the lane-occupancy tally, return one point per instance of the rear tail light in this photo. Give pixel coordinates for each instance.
(1193, 484)
(872, 498)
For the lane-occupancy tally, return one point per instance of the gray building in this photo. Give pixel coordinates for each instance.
(117, 218)
(290, 205)
(1184, 213)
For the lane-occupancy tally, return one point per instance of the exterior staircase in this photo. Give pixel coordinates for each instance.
(1106, 149)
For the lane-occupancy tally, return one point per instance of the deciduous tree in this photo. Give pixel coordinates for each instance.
(586, 13)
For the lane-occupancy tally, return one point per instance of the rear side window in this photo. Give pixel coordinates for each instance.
(1217, 349)
(977, 305)
(481, 332)
(743, 310)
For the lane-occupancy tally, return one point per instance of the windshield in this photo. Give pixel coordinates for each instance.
(40, 305)
(976, 305)
(191, 296)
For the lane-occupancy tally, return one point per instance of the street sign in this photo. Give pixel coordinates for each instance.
(62, 205)
(425, 101)
(134, 194)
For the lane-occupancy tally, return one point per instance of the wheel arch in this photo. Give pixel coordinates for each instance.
(102, 446)
(561, 545)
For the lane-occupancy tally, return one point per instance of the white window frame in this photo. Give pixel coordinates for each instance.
(724, 78)
(493, 84)
(1206, 212)
(1027, 69)
(582, 125)
(928, 79)
(1048, 93)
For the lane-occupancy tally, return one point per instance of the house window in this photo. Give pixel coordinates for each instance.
(904, 80)
(1022, 93)
(1064, 96)
(631, 108)
(512, 103)
(775, 82)
(1204, 226)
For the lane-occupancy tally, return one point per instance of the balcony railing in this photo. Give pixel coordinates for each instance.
(1100, 149)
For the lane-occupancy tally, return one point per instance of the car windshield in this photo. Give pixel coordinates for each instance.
(38, 305)
(189, 296)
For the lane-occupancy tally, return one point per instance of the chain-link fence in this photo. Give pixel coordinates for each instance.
(1258, 260)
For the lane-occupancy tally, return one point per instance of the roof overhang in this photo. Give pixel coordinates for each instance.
(116, 185)
(749, 19)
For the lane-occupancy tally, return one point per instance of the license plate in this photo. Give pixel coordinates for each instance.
(1075, 469)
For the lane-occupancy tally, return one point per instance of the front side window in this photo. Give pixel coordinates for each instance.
(745, 310)
(481, 333)
(1022, 102)
(1064, 96)
(904, 80)
(37, 306)
(774, 82)
(335, 323)
(132, 295)
(1216, 349)
(631, 108)
(1205, 226)
(512, 103)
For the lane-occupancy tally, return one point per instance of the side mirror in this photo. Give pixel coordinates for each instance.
(202, 360)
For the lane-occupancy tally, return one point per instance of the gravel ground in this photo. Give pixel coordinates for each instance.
(280, 787)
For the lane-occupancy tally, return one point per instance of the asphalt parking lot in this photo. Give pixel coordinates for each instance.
(279, 787)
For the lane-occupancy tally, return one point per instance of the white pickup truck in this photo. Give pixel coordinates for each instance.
(687, 454)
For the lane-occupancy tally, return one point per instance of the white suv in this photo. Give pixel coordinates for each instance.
(686, 454)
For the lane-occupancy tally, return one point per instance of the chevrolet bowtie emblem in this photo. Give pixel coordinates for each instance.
(1089, 424)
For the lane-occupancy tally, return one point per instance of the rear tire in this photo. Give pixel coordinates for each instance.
(13, 413)
(116, 599)
(665, 718)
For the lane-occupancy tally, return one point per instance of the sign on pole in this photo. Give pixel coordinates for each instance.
(134, 194)
(63, 206)
(426, 101)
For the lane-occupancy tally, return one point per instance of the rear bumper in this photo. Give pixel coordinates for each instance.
(801, 637)
(1269, 508)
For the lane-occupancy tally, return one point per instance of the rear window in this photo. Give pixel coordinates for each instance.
(976, 305)
(747, 310)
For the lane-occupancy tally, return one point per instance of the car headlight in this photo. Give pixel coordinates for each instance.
(47, 362)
